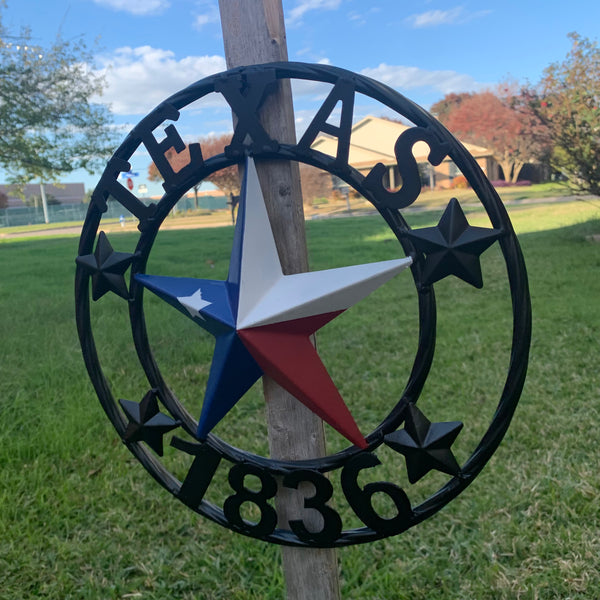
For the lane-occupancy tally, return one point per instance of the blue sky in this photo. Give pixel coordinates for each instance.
(148, 49)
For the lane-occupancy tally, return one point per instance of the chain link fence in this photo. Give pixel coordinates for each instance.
(61, 213)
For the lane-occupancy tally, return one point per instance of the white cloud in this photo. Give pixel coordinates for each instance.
(361, 18)
(405, 78)
(201, 20)
(140, 78)
(452, 16)
(294, 16)
(136, 7)
(433, 18)
(209, 14)
(307, 54)
(306, 89)
(358, 17)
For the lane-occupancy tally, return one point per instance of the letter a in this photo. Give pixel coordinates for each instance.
(343, 92)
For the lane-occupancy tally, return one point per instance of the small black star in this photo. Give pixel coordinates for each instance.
(425, 445)
(146, 422)
(453, 247)
(107, 268)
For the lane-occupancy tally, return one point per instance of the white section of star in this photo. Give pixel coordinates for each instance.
(268, 296)
(194, 303)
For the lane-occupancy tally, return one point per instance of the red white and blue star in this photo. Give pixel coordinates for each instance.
(262, 319)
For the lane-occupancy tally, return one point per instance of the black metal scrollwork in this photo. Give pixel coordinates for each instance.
(205, 464)
(332, 523)
(408, 168)
(343, 92)
(245, 95)
(360, 499)
(200, 474)
(246, 90)
(109, 186)
(233, 504)
(172, 141)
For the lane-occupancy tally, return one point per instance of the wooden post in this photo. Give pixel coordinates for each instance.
(254, 33)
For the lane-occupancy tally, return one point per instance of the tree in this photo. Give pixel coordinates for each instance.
(227, 180)
(498, 121)
(3, 200)
(567, 100)
(49, 123)
(447, 104)
(36, 200)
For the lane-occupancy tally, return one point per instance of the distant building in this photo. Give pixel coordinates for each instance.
(372, 141)
(63, 193)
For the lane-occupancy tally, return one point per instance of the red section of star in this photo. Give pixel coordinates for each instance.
(285, 353)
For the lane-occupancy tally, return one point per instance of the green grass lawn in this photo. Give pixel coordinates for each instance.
(81, 519)
(438, 198)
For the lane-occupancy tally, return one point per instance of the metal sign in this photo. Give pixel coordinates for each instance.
(261, 320)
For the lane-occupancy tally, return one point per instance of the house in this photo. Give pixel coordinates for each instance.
(372, 141)
(60, 193)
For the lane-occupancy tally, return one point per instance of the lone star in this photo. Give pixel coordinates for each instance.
(453, 247)
(262, 319)
(146, 423)
(425, 445)
(194, 303)
(107, 268)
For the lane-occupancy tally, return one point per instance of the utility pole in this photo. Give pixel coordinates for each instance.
(44, 202)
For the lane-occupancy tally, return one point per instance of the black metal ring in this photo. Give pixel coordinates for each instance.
(427, 314)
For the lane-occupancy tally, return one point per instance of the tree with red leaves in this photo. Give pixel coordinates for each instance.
(450, 102)
(499, 122)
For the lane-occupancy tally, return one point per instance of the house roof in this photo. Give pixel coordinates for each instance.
(373, 139)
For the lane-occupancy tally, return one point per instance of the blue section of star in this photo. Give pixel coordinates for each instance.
(216, 316)
(232, 373)
(209, 304)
